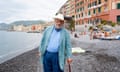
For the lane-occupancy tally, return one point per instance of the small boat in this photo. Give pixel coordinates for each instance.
(111, 38)
(33, 32)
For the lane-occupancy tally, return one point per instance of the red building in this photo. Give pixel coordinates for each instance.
(92, 11)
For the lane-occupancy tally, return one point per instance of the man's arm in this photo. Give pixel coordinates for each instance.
(68, 48)
(42, 42)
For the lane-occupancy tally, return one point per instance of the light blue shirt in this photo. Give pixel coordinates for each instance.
(54, 41)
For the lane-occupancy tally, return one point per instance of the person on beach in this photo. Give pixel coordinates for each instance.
(76, 36)
(55, 48)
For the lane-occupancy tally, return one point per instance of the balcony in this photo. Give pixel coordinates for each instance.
(89, 16)
(93, 7)
(82, 17)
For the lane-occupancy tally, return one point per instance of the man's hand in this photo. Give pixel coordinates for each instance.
(69, 60)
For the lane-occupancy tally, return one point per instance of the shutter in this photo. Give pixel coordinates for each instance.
(118, 6)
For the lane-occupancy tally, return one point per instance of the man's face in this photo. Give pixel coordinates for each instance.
(58, 23)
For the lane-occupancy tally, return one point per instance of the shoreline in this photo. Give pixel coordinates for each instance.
(26, 62)
(11, 55)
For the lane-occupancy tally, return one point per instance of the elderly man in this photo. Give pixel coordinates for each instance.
(55, 47)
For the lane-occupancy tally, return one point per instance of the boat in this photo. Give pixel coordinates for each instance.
(33, 32)
(111, 38)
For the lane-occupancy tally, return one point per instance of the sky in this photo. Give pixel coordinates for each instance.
(14, 10)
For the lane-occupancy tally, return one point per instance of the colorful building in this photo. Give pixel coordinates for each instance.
(68, 9)
(34, 27)
(92, 11)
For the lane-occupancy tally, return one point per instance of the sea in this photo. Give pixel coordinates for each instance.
(13, 43)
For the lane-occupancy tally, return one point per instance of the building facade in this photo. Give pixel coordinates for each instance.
(92, 11)
(34, 27)
(68, 9)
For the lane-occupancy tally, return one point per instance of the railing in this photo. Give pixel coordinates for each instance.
(96, 6)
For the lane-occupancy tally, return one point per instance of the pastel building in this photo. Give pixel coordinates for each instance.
(92, 11)
(68, 9)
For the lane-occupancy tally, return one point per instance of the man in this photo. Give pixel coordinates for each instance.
(55, 47)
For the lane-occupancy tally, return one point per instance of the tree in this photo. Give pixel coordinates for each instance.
(72, 25)
(91, 28)
(113, 24)
(104, 22)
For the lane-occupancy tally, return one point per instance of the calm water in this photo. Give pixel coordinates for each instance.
(15, 42)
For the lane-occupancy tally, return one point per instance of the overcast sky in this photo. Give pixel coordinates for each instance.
(13, 10)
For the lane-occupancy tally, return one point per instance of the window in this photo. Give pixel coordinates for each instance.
(89, 21)
(88, 5)
(77, 10)
(89, 13)
(83, 8)
(76, 16)
(118, 6)
(79, 15)
(99, 9)
(99, 1)
(118, 19)
(95, 3)
(81, 2)
(80, 9)
(94, 11)
(77, 4)
(106, 0)
(82, 14)
(105, 8)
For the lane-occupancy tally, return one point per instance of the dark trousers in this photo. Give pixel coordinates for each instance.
(51, 62)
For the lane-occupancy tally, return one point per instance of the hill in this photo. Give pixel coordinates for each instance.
(4, 26)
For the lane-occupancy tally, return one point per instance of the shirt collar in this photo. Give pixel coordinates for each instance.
(57, 29)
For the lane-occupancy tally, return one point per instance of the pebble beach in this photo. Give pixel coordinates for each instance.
(100, 56)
